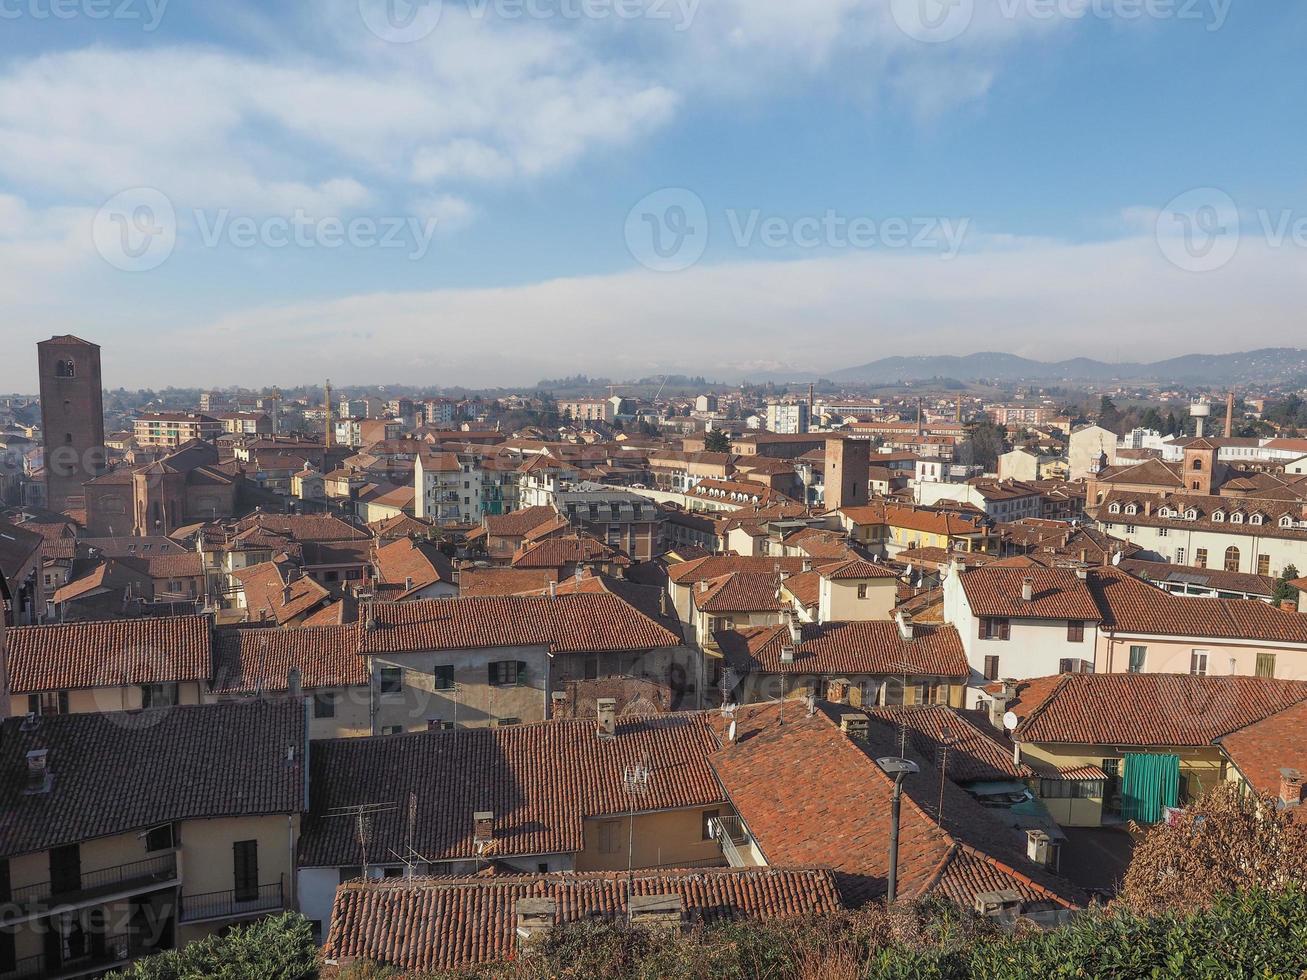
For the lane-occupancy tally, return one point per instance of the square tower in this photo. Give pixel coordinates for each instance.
(846, 473)
(72, 418)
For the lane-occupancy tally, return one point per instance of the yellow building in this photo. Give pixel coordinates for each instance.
(130, 833)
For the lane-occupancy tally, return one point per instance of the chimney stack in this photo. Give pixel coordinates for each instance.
(483, 828)
(606, 710)
(787, 653)
(1229, 415)
(286, 594)
(1027, 589)
(1291, 787)
(534, 917)
(907, 628)
(38, 771)
(854, 725)
(294, 683)
(998, 704)
(837, 690)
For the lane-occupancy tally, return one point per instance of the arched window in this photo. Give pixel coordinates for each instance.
(1115, 508)
(1236, 518)
(1198, 464)
(1191, 514)
(1218, 516)
(1256, 519)
(1131, 509)
(65, 369)
(1232, 559)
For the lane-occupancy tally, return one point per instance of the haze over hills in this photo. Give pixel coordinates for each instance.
(1266, 365)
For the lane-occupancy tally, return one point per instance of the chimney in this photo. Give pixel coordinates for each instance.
(703, 585)
(662, 602)
(807, 564)
(553, 589)
(1027, 589)
(1229, 415)
(657, 911)
(408, 583)
(1082, 574)
(796, 633)
(787, 653)
(854, 725)
(286, 594)
(38, 771)
(294, 683)
(534, 916)
(1039, 847)
(999, 702)
(837, 691)
(606, 710)
(483, 829)
(907, 628)
(1291, 787)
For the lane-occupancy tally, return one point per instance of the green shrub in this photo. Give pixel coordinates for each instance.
(276, 948)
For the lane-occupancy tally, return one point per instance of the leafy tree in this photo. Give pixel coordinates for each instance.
(277, 948)
(1226, 842)
(1109, 416)
(1284, 592)
(984, 444)
(717, 441)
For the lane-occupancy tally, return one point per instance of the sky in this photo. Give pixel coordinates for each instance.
(491, 192)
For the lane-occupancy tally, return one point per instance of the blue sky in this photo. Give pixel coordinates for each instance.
(855, 182)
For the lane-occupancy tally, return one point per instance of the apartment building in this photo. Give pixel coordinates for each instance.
(126, 834)
(587, 409)
(787, 418)
(169, 430)
(625, 521)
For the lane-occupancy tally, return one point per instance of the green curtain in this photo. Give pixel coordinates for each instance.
(1150, 783)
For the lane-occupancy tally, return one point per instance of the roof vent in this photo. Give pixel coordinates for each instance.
(998, 904)
(854, 725)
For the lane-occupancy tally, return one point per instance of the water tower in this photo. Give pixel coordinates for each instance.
(1200, 411)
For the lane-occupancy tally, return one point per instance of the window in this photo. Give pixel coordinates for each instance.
(1232, 559)
(1191, 514)
(158, 695)
(392, 729)
(1198, 663)
(49, 703)
(1115, 508)
(1218, 516)
(609, 836)
(507, 722)
(1129, 529)
(65, 369)
(436, 725)
(1264, 565)
(160, 839)
(1179, 556)
(1067, 665)
(1256, 519)
(1075, 631)
(1286, 521)
(1137, 655)
(1266, 665)
(245, 870)
(862, 590)
(350, 873)
(1071, 789)
(507, 673)
(1200, 557)
(324, 704)
(392, 872)
(991, 668)
(1198, 466)
(391, 680)
(443, 677)
(995, 628)
(65, 869)
(1236, 518)
(1163, 532)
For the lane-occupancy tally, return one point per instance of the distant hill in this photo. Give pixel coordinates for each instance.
(1266, 365)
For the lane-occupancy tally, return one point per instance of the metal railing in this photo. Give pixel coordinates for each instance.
(231, 904)
(113, 949)
(144, 873)
(732, 836)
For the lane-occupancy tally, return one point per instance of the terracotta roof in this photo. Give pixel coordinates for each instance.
(789, 782)
(117, 772)
(114, 653)
(995, 590)
(713, 566)
(17, 547)
(305, 527)
(265, 586)
(1149, 709)
(1260, 750)
(974, 750)
(580, 623)
(503, 581)
(739, 592)
(247, 661)
(862, 647)
(512, 772)
(554, 552)
(856, 568)
(420, 561)
(431, 924)
(913, 518)
(1130, 605)
(804, 587)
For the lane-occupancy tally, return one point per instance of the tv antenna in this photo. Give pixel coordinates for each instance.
(363, 814)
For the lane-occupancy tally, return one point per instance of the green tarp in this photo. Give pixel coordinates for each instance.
(1150, 782)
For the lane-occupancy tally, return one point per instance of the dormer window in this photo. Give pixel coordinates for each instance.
(1131, 509)
(1115, 508)
(1218, 516)
(1286, 521)
(1166, 512)
(1191, 514)
(1236, 518)
(1257, 519)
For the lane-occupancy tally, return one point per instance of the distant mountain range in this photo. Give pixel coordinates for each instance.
(1267, 365)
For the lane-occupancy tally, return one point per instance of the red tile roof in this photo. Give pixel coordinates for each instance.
(713, 566)
(1148, 709)
(1058, 593)
(857, 568)
(114, 653)
(398, 562)
(579, 623)
(432, 924)
(864, 647)
(503, 581)
(555, 552)
(973, 750)
(739, 592)
(248, 660)
(541, 781)
(1260, 750)
(128, 771)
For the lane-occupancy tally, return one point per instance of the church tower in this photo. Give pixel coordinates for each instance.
(72, 419)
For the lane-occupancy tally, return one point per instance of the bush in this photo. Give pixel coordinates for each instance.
(277, 948)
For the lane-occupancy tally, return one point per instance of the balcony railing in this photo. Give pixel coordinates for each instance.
(101, 953)
(232, 904)
(734, 839)
(88, 885)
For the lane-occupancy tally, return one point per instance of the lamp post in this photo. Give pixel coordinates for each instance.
(898, 768)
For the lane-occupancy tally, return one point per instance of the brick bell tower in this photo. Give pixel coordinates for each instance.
(72, 418)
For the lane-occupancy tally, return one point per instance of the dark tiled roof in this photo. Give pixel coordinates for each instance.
(540, 780)
(1148, 709)
(578, 623)
(862, 647)
(124, 771)
(113, 653)
(428, 924)
(974, 752)
(249, 660)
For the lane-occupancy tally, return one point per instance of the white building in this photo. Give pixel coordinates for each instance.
(787, 418)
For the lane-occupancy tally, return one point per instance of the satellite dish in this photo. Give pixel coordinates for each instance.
(730, 732)
(1116, 558)
(1010, 720)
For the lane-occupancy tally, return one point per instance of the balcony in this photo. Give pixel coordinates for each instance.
(101, 953)
(91, 888)
(733, 837)
(231, 904)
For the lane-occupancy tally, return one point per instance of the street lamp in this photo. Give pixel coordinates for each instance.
(898, 768)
